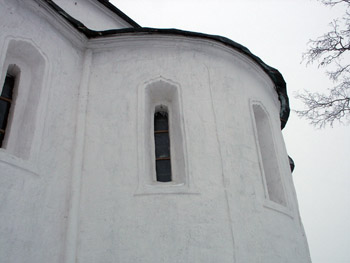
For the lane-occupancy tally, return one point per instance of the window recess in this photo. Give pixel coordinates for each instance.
(268, 157)
(162, 162)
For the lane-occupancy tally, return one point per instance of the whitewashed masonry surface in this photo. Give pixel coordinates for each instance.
(77, 165)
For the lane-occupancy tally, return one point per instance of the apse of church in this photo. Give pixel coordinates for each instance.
(128, 144)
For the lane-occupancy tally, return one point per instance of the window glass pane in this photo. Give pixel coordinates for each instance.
(163, 169)
(1, 138)
(161, 121)
(4, 112)
(162, 144)
(5, 104)
(8, 87)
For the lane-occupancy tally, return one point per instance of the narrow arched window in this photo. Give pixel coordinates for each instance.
(5, 104)
(275, 191)
(162, 146)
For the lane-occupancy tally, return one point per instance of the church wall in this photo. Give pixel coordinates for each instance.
(83, 188)
(221, 206)
(35, 183)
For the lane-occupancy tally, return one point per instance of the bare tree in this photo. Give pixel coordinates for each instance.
(330, 50)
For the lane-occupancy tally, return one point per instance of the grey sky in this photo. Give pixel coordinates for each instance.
(277, 31)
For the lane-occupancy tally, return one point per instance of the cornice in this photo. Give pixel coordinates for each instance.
(201, 45)
(274, 74)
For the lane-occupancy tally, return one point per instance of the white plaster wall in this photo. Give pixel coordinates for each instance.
(219, 214)
(92, 14)
(224, 215)
(34, 190)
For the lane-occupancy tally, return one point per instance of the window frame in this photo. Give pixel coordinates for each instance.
(161, 109)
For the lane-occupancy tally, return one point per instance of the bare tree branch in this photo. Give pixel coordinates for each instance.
(330, 49)
(334, 75)
(322, 109)
(334, 2)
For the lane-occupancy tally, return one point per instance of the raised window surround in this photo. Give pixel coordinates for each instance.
(151, 95)
(24, 60)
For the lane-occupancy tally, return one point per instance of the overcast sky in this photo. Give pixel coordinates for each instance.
(277, 31)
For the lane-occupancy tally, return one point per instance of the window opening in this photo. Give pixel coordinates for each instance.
(162, 146)
(5, 104)
(268, 156)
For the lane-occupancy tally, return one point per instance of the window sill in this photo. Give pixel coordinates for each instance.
(166, 188)
(278, 208)
(17, 163)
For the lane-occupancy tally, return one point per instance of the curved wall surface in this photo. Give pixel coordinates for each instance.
(227, 202)
(84, 187)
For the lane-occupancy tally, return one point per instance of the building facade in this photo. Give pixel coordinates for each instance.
(128, 144)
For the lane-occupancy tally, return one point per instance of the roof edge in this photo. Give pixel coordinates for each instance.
(117, 11)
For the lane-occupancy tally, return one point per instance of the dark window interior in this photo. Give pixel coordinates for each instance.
(162, 146)
(5, 104)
